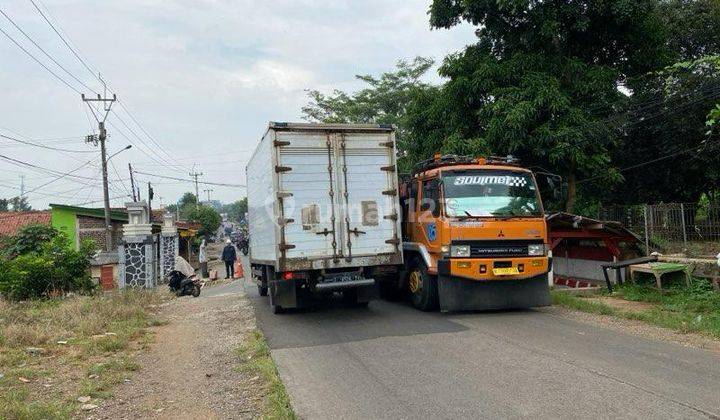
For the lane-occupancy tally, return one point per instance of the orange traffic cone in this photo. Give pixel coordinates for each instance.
(239, 270)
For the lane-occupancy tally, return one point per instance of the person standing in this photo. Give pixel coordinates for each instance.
(202, 257)
(229, 255)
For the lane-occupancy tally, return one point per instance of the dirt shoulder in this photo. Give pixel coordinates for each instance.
(637, 327)
(191, 369)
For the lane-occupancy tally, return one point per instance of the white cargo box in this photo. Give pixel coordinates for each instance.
(324, 196)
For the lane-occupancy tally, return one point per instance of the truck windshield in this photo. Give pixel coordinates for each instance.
(490, 193)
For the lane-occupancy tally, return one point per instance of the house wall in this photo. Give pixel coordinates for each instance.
(64, 221)
(93, 228)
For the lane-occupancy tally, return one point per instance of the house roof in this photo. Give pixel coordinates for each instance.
(563, 222)
(117, 214)
(11, 222)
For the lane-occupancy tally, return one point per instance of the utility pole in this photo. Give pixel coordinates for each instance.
(151, 195)
(22, 186)
(208, 191)
(132, 182)
(195, 175)
(100, 139)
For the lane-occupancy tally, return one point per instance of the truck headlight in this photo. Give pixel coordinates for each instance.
(536, 250)
(460, 251)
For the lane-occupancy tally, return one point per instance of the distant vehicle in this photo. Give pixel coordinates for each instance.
(323, 212)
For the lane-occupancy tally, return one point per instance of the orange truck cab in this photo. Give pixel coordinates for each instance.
(474, 236)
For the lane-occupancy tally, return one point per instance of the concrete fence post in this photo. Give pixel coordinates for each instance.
(137, 251)
(682, 216)
(647, 238)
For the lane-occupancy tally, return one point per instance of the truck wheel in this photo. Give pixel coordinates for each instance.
(277, 309)
(422, 287)
(262, 289)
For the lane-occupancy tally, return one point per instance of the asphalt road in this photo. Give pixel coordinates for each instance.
(392, 361)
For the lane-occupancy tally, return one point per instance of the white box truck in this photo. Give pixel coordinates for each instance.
(323, 212)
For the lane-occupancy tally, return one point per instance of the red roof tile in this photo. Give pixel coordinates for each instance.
(11, 222)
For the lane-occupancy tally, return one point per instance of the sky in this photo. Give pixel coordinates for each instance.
(197, 83)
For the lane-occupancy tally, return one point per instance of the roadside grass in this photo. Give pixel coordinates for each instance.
(255, 359)
(54, 351)
(694, 309)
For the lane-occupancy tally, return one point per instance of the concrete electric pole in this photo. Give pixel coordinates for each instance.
(208, 191)
(100, 139)
(195, 175)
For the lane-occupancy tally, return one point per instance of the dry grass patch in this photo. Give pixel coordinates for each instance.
(54, 351)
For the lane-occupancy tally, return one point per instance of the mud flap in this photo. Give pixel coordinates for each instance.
(458, 294)
(284, 293)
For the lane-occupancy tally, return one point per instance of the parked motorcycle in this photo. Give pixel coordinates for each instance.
(183, 285)
(244, 246)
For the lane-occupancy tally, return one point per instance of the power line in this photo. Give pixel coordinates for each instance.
(76, 54)
(219, 184)
(649, 162)
(66, 41)
(45, 147)
(43, 51)
(39, 62)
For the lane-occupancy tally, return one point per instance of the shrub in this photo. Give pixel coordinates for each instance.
(42, 264)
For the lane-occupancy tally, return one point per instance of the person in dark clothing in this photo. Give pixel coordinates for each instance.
(229, 256)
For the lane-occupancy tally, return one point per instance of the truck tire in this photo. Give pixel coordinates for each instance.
(262, 289)
(423, 287)
(277, 309)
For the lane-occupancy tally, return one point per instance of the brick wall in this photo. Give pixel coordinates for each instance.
(94, 228)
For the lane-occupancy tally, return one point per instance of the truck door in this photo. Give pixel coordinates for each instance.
(307, 165)
(368, 194)
(427, 227)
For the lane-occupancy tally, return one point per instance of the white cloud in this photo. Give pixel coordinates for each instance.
(203, 76)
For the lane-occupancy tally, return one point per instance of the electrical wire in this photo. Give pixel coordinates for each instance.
(39, 62)
(45, 52)
(219, 184)
(75, 53)
(45, 147)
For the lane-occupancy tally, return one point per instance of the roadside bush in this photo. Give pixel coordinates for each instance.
(43, 264)
(30, 238)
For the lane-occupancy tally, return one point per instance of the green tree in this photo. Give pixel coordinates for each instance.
(28, 239)
(692, 28)
(20, 204)
(543, 78)
(236, 211)
(208, 218)
(384, 101)
(4, 204)
(665, 127)
(187, 199)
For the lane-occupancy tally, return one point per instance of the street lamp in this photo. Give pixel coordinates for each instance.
(129, 146)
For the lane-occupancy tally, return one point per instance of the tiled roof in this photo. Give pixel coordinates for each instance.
(11, 222)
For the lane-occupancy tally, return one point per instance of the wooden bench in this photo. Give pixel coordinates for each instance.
(658, 269)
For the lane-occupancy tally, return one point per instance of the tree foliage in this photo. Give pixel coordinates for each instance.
(29, 239)
(42, 264)
(236, 211)
(385, 100)
(208, 218)
(543, 77)
(665, 128)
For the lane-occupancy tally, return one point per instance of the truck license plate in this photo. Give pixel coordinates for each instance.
(505, 271)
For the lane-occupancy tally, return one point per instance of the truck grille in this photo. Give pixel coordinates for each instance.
(509, 248)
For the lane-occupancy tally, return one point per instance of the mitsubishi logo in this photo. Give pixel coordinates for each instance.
(501, 234)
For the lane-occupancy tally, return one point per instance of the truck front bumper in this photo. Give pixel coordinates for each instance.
(462, 288)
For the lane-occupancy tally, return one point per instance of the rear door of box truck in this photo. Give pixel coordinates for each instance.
(340, 189)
